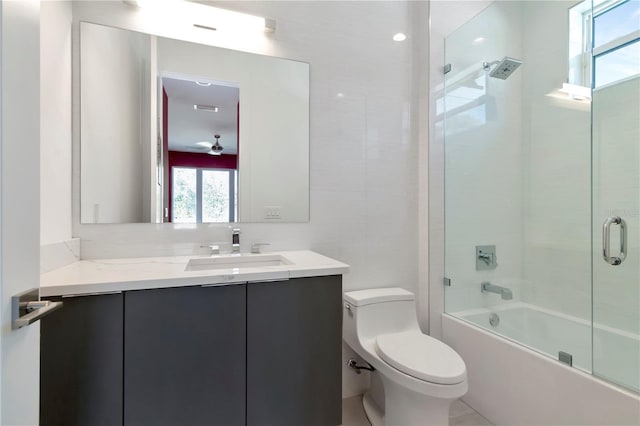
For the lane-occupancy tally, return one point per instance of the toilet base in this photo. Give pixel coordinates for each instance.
(404, 407)
(374, 413)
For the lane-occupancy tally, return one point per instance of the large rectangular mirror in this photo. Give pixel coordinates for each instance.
(173, 131)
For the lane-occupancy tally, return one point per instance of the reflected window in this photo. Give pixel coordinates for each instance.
(184, 199)
(466, 103)
(203, 195)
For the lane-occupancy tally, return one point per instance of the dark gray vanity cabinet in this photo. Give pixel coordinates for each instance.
(265, 353)
(185, 356)
(81, 362)
(294, 341)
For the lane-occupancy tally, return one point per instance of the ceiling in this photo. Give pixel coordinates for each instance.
(188, 126)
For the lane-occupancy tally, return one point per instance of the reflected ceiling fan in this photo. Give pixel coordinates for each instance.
(213, 149)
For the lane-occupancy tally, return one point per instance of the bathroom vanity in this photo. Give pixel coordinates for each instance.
(221, 340)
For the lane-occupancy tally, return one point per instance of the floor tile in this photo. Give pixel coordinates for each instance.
(460, 415)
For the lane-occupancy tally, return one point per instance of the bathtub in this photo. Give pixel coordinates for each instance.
(514, 378)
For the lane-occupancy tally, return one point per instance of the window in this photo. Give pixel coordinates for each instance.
(604, 42)
(203, 195)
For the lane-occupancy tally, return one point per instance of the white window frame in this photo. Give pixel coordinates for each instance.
(199, 204)
(589, 53)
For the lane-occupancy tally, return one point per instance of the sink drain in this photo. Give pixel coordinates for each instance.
(494, 320)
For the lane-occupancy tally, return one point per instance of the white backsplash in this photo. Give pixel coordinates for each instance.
(57, 255)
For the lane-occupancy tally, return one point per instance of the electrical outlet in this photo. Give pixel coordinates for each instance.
(272, 212)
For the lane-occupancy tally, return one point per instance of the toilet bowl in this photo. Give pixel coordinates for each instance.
(421, 376)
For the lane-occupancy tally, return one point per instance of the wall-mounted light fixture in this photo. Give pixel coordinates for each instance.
(215, 19)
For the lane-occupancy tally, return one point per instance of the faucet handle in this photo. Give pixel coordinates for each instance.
(255, 248)
(215, 248)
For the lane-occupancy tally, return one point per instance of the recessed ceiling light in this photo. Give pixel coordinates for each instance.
(203, 83)
(340, 95)
(399, 37)
(209, 108)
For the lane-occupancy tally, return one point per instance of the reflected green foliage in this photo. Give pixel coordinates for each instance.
(215, 196)
(184, 195)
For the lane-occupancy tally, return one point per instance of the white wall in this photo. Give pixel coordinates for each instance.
(55, 122)
(57, 247)
(363, 159)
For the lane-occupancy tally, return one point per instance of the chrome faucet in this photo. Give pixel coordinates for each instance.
(505, 293)
(235, 240)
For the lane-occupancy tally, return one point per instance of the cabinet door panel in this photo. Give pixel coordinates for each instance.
(81, 362)
(185, 356)
(294, 340)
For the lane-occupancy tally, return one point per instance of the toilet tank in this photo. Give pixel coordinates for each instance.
(369, 313)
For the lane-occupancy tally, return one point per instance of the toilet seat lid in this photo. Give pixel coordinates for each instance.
(422, 357)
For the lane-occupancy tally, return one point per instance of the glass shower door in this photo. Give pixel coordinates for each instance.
(616, 232)
(616, 192)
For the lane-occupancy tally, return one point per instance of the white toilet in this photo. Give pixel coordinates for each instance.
(421, 376)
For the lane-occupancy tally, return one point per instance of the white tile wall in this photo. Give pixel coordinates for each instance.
(55, 122)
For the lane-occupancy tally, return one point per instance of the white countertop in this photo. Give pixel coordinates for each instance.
(114, 275)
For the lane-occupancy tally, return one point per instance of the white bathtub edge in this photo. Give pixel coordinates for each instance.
(512, 385)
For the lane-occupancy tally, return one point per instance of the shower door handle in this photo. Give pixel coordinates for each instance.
(606, 240)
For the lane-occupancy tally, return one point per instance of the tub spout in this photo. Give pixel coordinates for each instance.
(505, 293)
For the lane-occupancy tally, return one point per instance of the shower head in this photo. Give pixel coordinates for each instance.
(504, 68)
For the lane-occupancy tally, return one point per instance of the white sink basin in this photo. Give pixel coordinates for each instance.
(236, 262)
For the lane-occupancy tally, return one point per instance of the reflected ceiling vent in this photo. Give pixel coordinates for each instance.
(504, 68)
(209, 108)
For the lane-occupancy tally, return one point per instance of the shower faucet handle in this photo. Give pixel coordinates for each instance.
(486, 258)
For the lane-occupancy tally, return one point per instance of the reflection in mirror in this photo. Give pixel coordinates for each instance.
(200, 135)
(172, 131)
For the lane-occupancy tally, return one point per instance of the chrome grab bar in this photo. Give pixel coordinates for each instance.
(27, 308)
(606, 240)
